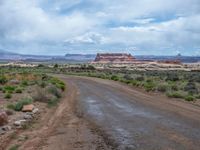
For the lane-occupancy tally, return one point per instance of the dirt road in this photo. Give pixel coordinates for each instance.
(135, 120)
(98, 114)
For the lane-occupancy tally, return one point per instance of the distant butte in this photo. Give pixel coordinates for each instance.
(114, 58)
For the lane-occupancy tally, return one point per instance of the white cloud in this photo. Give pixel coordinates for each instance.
(25, 21)
(100, 24)
(88, 38)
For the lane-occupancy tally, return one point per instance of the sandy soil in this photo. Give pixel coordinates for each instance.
(97, 114)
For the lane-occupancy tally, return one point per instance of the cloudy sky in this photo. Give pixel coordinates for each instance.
(141, 27)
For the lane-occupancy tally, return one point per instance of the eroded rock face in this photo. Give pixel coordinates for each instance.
(114, 57)
(3, 118)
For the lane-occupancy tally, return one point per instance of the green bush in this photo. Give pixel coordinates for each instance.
(25, 101)
(140, 78)
(55, 66)
(172, 77)
(135, 83)
(8, 96)
(15, 147)
(191, 88)
(125, 81)
(42, 84)
(18, 90)
(197, 96)
(175, 95)
(11, 106)
(9, 88)
(53, 90)
(189, 98)
(24, 83)
(149, 86)
(3, 79)
(53, 102)
(60, 84)
(174, 87)
(114, 77)
(162, 88)
(40, 95)
(128, 77)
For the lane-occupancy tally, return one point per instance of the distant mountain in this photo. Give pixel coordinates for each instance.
(3, 52)
(10, 56)
(81, 58)
(6, 55)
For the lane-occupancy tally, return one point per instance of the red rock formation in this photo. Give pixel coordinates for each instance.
(175, 62)
(114, 58)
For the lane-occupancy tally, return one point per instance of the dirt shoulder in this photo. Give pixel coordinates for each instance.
(60, 128)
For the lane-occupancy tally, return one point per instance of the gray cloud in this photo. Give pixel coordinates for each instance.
(38, 26)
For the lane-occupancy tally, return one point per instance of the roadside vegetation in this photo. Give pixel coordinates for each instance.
(24, 96)
(174, 84)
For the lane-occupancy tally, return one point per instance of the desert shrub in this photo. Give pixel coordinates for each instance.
(60, 84)
(135, 83)
(25, 101)
(44, 77)
(11, 106)
(125, 81)
(53, 102)
(172, 77)
(8, 96)
(40, 95)
(162, 88)
(14, 147)
(55, 66)
(149, 80)
(42, 84)
(24, 83)
(191, 88)
(140, 78)
(174, 87)
(53, 90)
(197, 96)
(90, 67)
(193, 77)
(4, 91)
(18, 90)
(41, 66)
(189, 98)
(9, 88)
(128, 77)
(175, 95)
(149, 86)
(32, 83)
(3, 79)
(114, 77)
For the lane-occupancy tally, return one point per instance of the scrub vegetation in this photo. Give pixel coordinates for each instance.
(174, 84)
